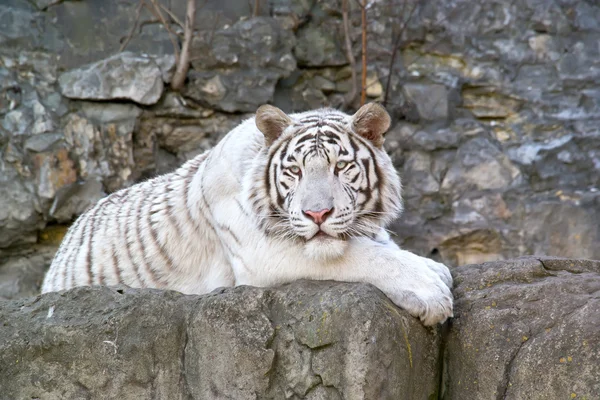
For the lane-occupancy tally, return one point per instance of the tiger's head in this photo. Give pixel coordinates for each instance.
(323, 177)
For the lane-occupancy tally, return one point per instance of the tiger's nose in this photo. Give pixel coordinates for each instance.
(318, 216)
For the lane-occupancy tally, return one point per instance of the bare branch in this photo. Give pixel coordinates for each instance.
(396, 46)
(183, 64)
(138, 11)
(172, 16)
(155, 10)
(363, 92)
(349, 97)
(256, 8)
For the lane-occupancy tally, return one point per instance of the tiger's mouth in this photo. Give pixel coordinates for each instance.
(322, 236)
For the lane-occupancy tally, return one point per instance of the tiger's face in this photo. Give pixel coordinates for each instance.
(326, 177)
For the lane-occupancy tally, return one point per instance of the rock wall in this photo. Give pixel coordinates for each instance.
(496, 110)
(523, 329)
(308, 340)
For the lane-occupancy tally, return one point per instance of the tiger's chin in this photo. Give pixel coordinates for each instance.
(322, 247)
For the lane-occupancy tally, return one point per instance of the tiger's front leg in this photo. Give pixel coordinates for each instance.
(419, 285)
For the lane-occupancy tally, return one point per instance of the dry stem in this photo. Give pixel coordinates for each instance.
(349, 98)
(183, 64)
(363, 92)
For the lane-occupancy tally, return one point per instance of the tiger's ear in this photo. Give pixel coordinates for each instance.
(271, 121)
(371, 121)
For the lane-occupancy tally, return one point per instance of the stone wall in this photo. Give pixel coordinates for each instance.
(496, 110)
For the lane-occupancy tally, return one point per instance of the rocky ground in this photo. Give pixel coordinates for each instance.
(523, 329)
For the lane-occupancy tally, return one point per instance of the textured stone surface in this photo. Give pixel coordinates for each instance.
(306, 340)
(123, 76)
(237, 67)
(523, 329)
(22, 271)
(495, 105)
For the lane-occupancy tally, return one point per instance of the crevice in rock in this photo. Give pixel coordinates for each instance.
(545, 268)
(503, 386)
(183, 383)
(315, 386)
(443, 360)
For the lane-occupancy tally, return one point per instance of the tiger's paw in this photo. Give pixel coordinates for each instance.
(427, 297)
(431, 308)
(440, 269)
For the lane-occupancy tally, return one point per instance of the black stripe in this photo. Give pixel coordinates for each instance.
(349, 192)
(272, 153)
(115, 255)
(284, 151)
(139, 215)
(186, 189)
(231, 233)
(331, 125)
(167, 199)
(128, 244)
(380, 178)
(77, 249)
(67, 246)
(101, 276)
(155, 239)
(303, 139)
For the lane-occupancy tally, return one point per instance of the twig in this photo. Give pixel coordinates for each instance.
(349, 97)
(138, 11)
(395, 49)
(184, 62)
(256, 8)
(155, 9)
(173, 16)
(363, 92)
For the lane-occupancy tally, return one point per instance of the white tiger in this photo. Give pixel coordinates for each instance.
(280, 198)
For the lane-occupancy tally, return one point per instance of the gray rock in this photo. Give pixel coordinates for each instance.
(527, 328)
(311, 89)
(235, 91)
(319, 47)
(22, 272)
(21, 25)
(419, 179)
(72, 200)
(19, 215)
(304, 340)
(237, 68)
(123, 76)
(562, 223)
(85, 32)
(486, 102)
(430, 100)
(479, 165)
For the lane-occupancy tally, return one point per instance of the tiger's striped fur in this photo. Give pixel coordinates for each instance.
(280, 198)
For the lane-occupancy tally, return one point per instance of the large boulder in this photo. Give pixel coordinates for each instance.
(124, 76)
(525, 329)
(306, 340)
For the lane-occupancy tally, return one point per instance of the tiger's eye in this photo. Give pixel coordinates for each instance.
(341, 164)
(295, 169)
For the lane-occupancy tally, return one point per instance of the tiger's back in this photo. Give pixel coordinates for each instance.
(139, 236)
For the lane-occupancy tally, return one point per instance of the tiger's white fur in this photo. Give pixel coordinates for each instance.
(241, 214)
